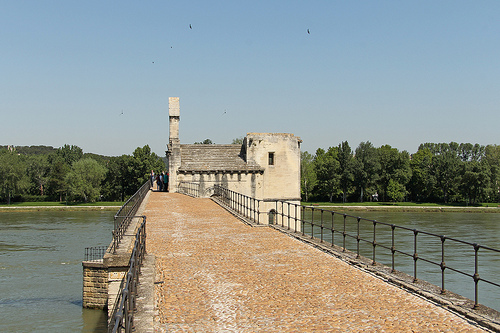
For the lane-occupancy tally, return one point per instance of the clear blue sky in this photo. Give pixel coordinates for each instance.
(390, 72)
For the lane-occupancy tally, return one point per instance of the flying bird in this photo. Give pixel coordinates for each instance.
(121, 113)
(190, 27)
(308, 31)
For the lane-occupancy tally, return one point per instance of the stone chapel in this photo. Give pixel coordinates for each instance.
(265, 167)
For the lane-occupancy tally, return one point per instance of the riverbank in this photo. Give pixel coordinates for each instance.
(337, 208)
(427, 209)
(57, 208)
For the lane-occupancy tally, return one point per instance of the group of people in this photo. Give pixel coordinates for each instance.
(161, 181)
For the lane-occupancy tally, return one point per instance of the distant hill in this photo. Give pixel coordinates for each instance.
(45, 150)
(32, 150)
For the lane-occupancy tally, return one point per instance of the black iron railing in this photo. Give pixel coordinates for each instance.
(189, 188)
(95, 253)
(122, 317)
(373, 239)
(124, 216)
(244, 205)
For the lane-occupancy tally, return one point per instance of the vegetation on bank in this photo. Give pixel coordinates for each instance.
(400, 204)
(67, 175)
(437, 174)
(405, 207)
(462, 174)
(64, 204)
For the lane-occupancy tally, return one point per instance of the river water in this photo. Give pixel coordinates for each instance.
(41, 257)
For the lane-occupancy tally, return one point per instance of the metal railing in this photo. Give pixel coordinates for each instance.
(124, 216)
(244, 205)
(189, 188)
(95, 253)
(122, 318)
(369, 238)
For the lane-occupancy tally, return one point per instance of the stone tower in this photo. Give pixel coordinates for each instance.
(173, 148)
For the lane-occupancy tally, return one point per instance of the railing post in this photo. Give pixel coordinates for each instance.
(415, 255)
(357, 240)
(295, 216)
(374, 242)
(322, 226)
(333, 228)
(312, 222)
(344, 235)
(258, 211)
(442, 264)
(302, 219)
(288, 219)
(476, 276)
(393, 247)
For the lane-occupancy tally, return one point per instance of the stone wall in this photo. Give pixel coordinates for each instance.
(95, 285)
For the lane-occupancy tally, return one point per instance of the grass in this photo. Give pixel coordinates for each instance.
(399, 204)
(61, 204)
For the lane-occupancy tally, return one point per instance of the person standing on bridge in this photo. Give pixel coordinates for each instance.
(158, 183)
(165, 181)
(152, 179)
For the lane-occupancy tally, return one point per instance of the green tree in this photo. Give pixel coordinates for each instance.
(345, 158)
(59, 169)
(446, 166)
(237, 141)
(12, 174)
(395, 191)
(308, 177)
(204, 142)
(38, 169)
(475, 181)
(84, 179)
(422, 183)
(119, 182)
(326, 166)
(70, 154)
(143, 162)
(365, 168)
(492, 158)
(394, 165)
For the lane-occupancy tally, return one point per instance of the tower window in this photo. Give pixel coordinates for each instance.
(271, 158)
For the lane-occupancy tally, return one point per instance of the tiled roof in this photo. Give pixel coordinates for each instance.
(212, 157)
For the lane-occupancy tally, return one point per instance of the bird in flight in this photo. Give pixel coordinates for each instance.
(190, 27)
(308, 31)
(121, 113)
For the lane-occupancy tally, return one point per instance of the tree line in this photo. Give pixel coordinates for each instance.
(438, 172)
(41, 173)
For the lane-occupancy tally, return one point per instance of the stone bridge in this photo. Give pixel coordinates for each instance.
(207, 271)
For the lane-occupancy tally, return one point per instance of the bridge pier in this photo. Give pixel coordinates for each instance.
(102, 278)
(95, 285)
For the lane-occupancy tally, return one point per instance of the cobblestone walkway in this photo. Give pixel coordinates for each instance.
(217, 274)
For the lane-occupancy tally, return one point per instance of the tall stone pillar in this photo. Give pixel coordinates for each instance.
(173, 150)
(174, 119)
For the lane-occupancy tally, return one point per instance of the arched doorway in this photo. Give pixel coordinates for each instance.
(271, 216)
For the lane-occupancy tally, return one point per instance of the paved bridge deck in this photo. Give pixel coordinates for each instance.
(214, 273)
